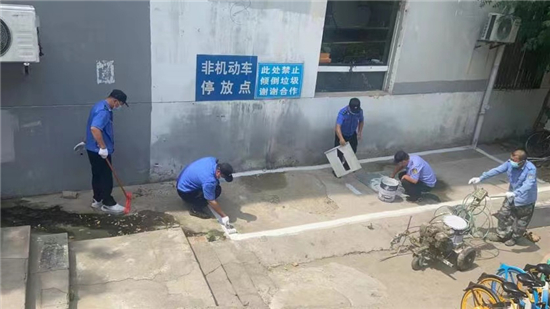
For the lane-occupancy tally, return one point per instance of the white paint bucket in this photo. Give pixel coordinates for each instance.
(388, 189)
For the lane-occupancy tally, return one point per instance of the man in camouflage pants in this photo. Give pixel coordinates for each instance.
(519, 205)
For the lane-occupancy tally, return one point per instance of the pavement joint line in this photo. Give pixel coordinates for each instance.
(293, 230)
(324, 166)
(353, 189)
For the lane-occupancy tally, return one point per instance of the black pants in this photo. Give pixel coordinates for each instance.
(352, 142)
(413, 190)
(102, 179)
(196, 198)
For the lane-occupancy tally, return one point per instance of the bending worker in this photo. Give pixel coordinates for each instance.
(349, 126)
(418, 177)
(518, 207)
(199, 185)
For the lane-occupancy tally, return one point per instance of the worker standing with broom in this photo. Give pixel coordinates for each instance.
(100, 145)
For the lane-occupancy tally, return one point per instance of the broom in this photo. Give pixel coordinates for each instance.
(128, 195)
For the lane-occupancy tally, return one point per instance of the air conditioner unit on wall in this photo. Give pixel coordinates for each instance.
(19, 34)
(500, 28)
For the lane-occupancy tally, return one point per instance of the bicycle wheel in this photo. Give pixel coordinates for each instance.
(478, 297)
(494, 283)
(538, 144)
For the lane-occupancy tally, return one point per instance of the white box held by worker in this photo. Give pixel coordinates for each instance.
(337, 165)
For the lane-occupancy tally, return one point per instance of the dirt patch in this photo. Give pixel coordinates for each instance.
(265, 182)
(85, 226)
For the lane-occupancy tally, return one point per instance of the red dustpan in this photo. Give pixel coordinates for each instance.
(128, 195)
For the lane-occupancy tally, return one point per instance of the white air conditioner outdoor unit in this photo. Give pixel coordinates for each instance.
(500, 28)
(19, 36)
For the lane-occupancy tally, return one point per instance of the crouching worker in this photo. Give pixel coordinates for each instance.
(518, 207)
(418, 176)
(199, 185)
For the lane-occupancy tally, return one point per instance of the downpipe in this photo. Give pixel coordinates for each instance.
(487, 95)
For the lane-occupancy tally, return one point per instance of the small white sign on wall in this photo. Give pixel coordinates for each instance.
(105, 71)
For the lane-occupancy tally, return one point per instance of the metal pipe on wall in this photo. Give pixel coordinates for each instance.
(487, 95)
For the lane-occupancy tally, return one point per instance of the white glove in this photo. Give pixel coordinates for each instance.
(103, 152)
(474, 181)
(225, 221)
(510, 195)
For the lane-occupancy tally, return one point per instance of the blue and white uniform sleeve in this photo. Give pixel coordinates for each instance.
(209, 191)
(361, 117)
(101, 119)
(495, 171)
(527, 184)
(414, 171)
(340, 119)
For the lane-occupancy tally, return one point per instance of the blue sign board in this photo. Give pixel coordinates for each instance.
(221, 77)
(279, 80)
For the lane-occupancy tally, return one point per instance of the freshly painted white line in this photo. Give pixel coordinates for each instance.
(422, 153)
(323, 166)
(489, 156)
(355, 219)
(353, 189)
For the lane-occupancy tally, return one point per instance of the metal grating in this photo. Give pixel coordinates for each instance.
(519, 69)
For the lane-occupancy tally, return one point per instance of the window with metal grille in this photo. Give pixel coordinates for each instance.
(520, 69)
(356, 45)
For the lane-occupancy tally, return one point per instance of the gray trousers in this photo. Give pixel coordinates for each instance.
(513, 220)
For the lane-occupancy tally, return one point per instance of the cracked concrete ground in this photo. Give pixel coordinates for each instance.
(148, 270)
(353, 267)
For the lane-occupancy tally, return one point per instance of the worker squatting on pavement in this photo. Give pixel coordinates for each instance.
(518, 207)
(198, 184)
(100, 144)
(418, 177)
(349, 127)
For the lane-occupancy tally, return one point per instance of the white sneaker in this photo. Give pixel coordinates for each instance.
(115, 209)
(96, 204)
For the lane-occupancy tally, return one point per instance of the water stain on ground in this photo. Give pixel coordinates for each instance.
(265, 182)
(85, 226)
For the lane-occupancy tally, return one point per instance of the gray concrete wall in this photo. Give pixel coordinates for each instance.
(437, 48)
(271, 134)
(511, 114)
(437, 81)
(44, 114)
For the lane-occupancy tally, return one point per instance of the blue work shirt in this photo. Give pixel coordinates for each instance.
(348, 121)
(418, 169)
(523, 181)
(101, 117)
(200, 175)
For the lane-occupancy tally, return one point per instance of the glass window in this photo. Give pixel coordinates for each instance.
(356, 33)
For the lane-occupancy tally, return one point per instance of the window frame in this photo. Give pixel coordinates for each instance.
(393, 37)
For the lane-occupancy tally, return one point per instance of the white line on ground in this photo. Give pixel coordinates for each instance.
(483, 152)
(323, 166)
(353, 189)
(351, 220)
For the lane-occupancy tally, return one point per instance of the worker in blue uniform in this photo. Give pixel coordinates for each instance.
(198, 184)
(518, 207)
(418, 176)
(349, 127)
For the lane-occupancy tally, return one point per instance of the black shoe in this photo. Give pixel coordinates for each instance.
(199, 214)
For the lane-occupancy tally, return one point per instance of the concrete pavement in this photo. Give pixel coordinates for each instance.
(146, 270)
